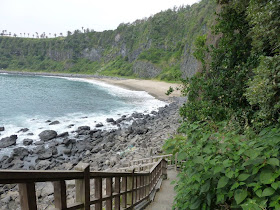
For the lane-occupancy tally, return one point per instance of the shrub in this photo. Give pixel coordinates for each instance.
(224, 170)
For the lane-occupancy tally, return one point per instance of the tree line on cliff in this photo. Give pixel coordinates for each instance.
(230, 135)
(159, 43)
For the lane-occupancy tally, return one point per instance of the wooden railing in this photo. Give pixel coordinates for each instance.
(112, 190)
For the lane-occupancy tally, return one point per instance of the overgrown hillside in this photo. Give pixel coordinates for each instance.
(230, 137)
(160, 47)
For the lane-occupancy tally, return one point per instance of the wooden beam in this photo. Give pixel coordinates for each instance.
(60, 194)
(83, 186)
(117, 190)
(109, 192)
(124, 189)
(27, 196)
(98, 192)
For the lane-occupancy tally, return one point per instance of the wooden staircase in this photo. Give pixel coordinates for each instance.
(133, 187)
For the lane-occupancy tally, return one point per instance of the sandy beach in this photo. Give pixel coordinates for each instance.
(154, 88)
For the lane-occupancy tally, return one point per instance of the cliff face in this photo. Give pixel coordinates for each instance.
(160, 46)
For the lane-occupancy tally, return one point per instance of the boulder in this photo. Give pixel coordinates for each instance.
(39, 142)
(110, 120)
(67, 151)
(45, 155)
(23, 130)
(8, 141)
(27, 142)
(47, 135)
(54, 122)
(2, 128)
(39, 149)
(67, 142)
(64, 134)
(43, 165)
(84, 128)
(98, 125)
(21, 152)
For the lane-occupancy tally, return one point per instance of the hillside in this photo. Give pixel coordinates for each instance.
(159, 47)
(230, 135)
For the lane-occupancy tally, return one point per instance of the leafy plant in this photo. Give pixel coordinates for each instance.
(224, 170)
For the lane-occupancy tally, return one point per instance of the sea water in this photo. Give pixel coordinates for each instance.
(32, 101)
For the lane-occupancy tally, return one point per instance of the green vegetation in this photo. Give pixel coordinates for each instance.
(230, 134)
(161, 40)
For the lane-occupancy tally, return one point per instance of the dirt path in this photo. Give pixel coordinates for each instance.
(165, 196)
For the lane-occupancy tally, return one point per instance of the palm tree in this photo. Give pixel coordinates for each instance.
(20, 34)
(24, 34)
(55, 35)
(61, 34)
(28, 34)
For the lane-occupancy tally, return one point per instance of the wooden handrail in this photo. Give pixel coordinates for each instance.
(130, 187)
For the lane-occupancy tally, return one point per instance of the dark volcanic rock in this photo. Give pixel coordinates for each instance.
(8, 141)
(45, 155)
(39, 149)
(23, 130)
(110, 120)
(21, 152)
(84, 128)
(27, 142)
(98, 125)
(64, 134)
(47, 135)
(2, 128)
(67, 151)
(39, 142)
(54, 122)
(43, 165)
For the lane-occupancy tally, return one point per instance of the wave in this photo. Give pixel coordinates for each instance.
(143, 102)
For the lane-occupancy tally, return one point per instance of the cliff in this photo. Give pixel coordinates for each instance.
(160, 47)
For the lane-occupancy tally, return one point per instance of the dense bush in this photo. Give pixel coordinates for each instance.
(230, 136)
(225, 170)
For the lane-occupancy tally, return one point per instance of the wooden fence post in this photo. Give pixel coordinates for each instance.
(175, 165)
(164, 169)
(83, 186)
(124, 189)
(98, 192)
(60, 194)
(117, 190)
(130, 186)
(27, 196)
(109, 192)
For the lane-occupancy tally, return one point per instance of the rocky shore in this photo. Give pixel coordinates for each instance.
(103, 149)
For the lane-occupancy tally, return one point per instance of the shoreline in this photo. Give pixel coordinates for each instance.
(155, 88)
(136, 136)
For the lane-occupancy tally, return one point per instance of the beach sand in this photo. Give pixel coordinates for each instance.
(154, 88)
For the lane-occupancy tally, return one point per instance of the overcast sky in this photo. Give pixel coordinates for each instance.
(56, 16)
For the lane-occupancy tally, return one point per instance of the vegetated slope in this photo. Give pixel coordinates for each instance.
(230, 136)
(156, 47)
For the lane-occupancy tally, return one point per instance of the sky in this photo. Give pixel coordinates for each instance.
(60, 16)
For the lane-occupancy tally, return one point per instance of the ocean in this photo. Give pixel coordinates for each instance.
(33, 101)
